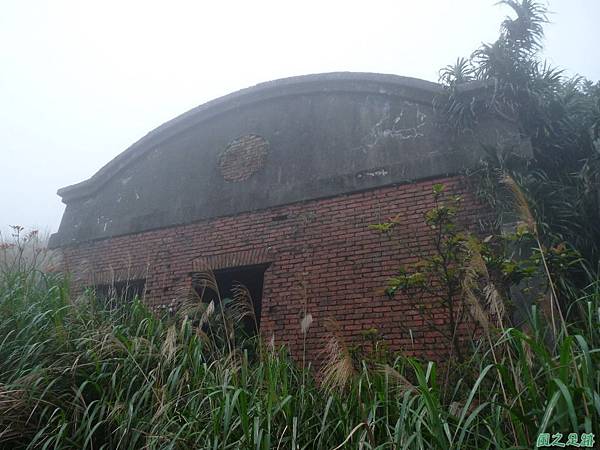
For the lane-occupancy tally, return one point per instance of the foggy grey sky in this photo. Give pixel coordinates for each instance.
(80, 81)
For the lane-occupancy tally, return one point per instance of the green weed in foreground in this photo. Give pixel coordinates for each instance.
(75, 376)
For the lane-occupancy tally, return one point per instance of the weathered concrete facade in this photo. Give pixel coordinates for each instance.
(287, 174)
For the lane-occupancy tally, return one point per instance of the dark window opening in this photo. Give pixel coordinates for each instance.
(120, 293)
(251, 277)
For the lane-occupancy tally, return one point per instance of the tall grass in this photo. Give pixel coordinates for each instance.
(75, 375)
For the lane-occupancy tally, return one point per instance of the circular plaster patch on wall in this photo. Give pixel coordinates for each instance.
(243, 157)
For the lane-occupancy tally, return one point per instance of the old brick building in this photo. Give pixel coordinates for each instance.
(275, 186)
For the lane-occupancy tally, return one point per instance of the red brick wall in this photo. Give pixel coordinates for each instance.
(325, 245)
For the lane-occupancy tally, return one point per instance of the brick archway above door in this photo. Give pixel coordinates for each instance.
(233, 259)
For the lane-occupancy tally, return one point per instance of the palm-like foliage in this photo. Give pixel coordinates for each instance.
(559, 115)
(524, 34)
(460, 72)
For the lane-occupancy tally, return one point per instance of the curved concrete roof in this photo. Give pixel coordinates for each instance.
(410, 88)
(317, 135)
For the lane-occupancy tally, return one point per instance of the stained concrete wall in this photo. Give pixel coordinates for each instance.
(315, 136)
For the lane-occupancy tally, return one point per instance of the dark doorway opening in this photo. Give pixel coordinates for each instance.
(250, 277)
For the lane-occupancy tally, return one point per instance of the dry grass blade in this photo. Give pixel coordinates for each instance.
(306, 322)
(495, 303)
(191, 309)
(400, 382)
(475, 308)
(242, 306)
(10, 399)
(206, 280)
(520, 202)
(233, 361)
(271, 344)
(474, 270)
(169, 346)
(338, 370)
(527, 347)
(207, 314)
(14, 412)
(477, 278)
